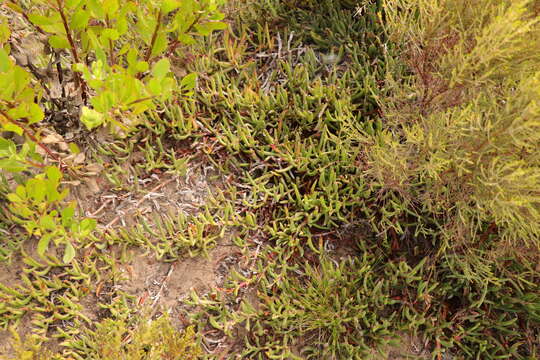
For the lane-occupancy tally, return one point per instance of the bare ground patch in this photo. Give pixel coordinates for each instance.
(160, 285)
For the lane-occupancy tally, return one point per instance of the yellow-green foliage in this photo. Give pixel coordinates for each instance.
(151, 340)
(115, 340)
(30, 349)
(462, 133)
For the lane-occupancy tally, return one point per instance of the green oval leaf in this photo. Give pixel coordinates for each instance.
(69, 253)
(5, 62)
(59, 42)
(54, 174)
(189, 81)
(91, 118)
(43, 243)
(161, 68)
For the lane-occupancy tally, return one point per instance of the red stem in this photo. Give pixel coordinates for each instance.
(32, 137)
(25, 16)
(175, 44)
(154, 37)
(80, 81)
(68, 32)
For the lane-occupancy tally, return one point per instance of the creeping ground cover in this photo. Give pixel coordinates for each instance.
(274, 179)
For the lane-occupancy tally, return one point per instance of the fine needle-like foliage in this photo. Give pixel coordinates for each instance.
(462, 133)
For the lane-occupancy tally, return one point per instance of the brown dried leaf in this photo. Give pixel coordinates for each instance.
(92, 185)
(79, 158)
(52, 138)
(93, 169)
